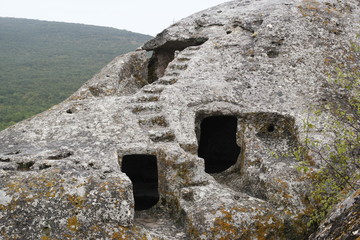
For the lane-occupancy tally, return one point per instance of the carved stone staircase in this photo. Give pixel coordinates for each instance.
(160, 226)
(147, 103)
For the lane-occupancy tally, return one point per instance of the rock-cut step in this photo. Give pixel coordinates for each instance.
(146, 108)
(153, 121)
(193, 48)
(171, 73)
(167, 80)
(160, 226)
(153, 88)
(177, 66)
(161, 135)
(182, 58)
(174, 68)
(147, 98)
(188, 52)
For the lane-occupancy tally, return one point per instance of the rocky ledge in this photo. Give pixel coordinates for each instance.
(184, 144)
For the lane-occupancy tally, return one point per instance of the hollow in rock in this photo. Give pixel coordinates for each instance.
(143, 173)
(217, 144)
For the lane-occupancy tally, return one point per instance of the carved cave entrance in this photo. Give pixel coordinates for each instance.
(163, 55)
(143, 173)
(217, 143)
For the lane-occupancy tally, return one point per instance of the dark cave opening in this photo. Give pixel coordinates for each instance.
(163, 55)
(143, 173)
(217, 143)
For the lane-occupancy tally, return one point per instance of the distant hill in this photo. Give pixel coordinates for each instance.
(42, 63)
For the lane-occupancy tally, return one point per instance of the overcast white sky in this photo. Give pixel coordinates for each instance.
(142, 16)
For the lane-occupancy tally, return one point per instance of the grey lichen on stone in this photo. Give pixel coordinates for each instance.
(261, 62)
(125, 75)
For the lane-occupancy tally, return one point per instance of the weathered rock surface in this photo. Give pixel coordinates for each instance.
(343, 222)
(125, 75)
(261, 62)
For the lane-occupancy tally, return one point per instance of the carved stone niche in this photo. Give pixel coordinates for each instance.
(217, 142)
(259, 146)
(143, 172)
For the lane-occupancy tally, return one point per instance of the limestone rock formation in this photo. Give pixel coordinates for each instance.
(343, 222)
(182, 145)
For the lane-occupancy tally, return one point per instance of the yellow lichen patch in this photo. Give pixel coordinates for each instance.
(282, 183)
(282, 189)
(73, 224)
(14, 186)
(50, 184)
(51, 193)
(128, 233)
(287, 196)
(193, 231)
(357, 193)
(309, 7)
(225, 227)
(268, 227)
(322, 13)
(47, 238)
(183, 172)
(47, 184)
(76, 200)
(118, 236)
(29, 189)
(243, 209)
(115, 186)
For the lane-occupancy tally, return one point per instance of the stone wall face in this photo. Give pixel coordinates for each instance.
(261, 62)
(64, 204)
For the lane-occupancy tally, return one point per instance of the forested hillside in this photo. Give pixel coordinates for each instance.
(42, 63)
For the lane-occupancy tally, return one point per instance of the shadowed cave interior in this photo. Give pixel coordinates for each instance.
(143, 173)
(163, 55)
(217, 143)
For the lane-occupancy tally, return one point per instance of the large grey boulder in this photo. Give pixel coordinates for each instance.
(244, 72)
